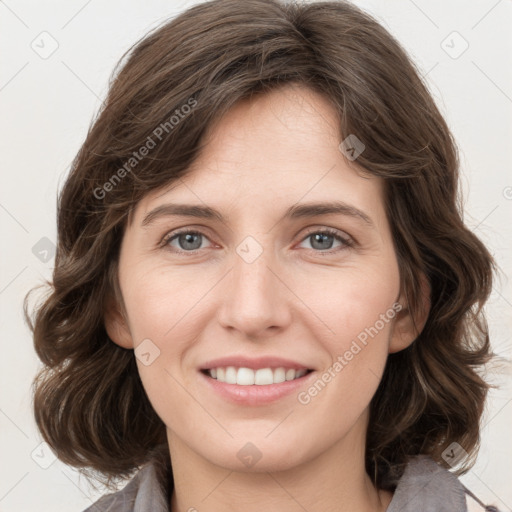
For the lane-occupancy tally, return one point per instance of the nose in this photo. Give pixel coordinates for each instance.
(255, 297)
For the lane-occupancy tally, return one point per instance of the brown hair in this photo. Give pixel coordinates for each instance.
(89, 402)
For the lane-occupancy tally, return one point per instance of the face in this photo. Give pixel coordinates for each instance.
(267, 286)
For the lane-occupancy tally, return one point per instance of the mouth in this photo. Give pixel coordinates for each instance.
(243, 376)
(245, 386)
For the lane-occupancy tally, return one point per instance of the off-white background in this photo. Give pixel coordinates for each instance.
(48, 103)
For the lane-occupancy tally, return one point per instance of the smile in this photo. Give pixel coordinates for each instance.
(260, 377)
(255, 387)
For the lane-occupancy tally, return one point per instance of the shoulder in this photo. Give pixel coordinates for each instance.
(140, 494)
(427, 486)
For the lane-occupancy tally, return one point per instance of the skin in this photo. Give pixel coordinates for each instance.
(294, 301)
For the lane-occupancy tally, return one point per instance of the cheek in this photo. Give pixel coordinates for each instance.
(160, 307)
(355, 304)
(361, 319)
(165, 315)
(360, 315)
(160, 304)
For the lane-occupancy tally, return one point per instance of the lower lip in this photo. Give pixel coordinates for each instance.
(255, 394)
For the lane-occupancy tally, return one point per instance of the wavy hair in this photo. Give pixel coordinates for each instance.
(89, 402)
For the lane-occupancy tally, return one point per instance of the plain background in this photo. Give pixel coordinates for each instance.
(48, 102)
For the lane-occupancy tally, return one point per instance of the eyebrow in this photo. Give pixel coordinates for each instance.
(294, 212)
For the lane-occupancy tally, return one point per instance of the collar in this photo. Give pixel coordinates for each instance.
(424, 485)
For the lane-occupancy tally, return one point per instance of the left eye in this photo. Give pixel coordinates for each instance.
(190, 241)
(321, 239)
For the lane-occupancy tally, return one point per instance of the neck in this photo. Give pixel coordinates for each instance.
(333, 481)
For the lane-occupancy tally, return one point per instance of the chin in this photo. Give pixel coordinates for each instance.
(257, 456)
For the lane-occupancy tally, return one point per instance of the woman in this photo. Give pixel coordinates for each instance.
(264, 293)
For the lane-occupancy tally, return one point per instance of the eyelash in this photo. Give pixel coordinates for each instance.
(347, 242)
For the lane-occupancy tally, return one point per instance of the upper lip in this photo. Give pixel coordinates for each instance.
(255, 363)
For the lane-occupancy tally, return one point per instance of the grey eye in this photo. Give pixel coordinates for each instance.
(187, 241)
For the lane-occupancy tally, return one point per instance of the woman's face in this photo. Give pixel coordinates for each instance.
(275, 278)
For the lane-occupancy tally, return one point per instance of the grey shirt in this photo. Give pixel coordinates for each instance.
(424, 486)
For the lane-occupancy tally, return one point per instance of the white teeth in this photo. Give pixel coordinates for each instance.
(264, 376)
(230, 374)
(248, 377)
(279, 375)
(245, 377)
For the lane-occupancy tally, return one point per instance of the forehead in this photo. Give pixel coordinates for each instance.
(272, 151)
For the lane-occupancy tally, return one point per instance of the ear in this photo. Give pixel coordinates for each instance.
(406, 328)
(116, 324)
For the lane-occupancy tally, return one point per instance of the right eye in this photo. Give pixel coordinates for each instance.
(189, 241)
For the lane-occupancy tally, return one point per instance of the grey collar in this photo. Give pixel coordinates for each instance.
(425, 486)
(428, 487)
